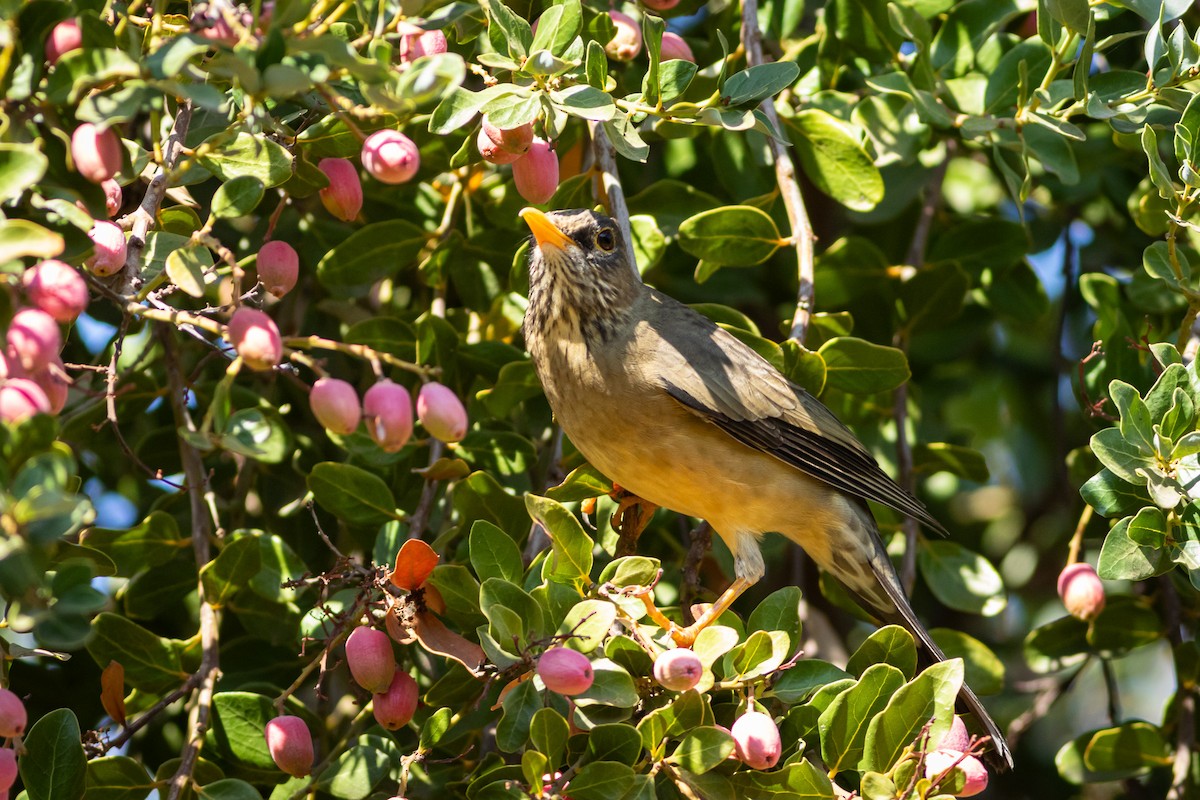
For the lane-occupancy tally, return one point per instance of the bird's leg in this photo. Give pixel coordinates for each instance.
(631, 518)
(684, 637)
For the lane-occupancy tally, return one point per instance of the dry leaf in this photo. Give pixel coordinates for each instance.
(437, 638)
(414, 563)
(112, 691)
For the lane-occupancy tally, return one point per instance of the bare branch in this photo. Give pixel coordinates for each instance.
(611, 193)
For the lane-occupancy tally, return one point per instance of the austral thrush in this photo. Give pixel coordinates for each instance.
(684, 415)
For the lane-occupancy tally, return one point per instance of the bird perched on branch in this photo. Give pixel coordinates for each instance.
(683, 414)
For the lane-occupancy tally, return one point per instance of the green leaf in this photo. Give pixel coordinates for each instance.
(614, 742)
(805, 677)
(356, 772)
(1125, 459)
(612, 685)
(1112, 496)
(238, 722)
(379, 250)
(1136, 426)
(237, 197)
(54, 766)
(228, 789)
(185, 267)
(1125, 623)
(231, 570)
(1073, 14)
(493, 553)
(151, 664)
(256, 433)
(703, 748)
(737, 236)
(557, 27)
(21, 166)
(250, 155)
(601, 780)
(571, 556)
(1057, 645)
(843, 723)
(833, 158)
(890, 644)
(984, 669)
(931, 695)
(152, 543)
(352, 494)
(1148, 528)
(630, 571)
(965, 462)
(757, 83)
(548, 731)
(20, 238)
(961, 579)
(589, 623)
(1130, 749)
(519, 707)
(780, 611)
(117, 778)
(585, 102)
(861, 367)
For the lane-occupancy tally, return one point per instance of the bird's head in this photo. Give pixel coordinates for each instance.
(579, 257)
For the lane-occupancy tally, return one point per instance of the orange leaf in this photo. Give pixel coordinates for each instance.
(437, 638)
(112, 691)
(414, 562)
(433, 600)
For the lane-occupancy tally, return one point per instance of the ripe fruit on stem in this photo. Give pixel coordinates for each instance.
(756, 740)
(278, 267)
(627, 42)
(64, 37)
(1081, 591)
(441, 412)
(256, 338)
(20, 399)
(335, 405)
(290, 745)
(96, 152)
(973, 771)
(109, 249)
(394, 708)
(343, 196)
(514, 140)
(33, 339)
(8, 769)
(536, 172)
(56, 288)
(391, 157)
(388, 409)
(369, 655)
(678, 670)
(674, 47)
(12, 714)
(565, 671)
(416, 42)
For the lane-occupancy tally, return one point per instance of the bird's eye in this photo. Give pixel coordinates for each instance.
(605, 240)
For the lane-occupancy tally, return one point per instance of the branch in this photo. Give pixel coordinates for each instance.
(700, 540)
(611, 193)
(789, 187)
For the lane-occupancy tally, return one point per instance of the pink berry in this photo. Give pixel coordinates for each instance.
(388, 409)
(678, 669)
(256, 338)
(390, 156)
(492, 152)
(515, 140)
(108, 248)
(8, 769)
(57, 289)
(1081, 591)
(335, 405)
(12, 714)
(957, 738)
(660, 5)
(290, 745)
(369, 655)
(674, 47)
(395, 707)
(113, 196)
(64, 37)
(343, 196)
(20, 399)
(627, 42)
(565, 671)
(441, 412)
(96, 152)
(416, 42)
(973, 771)
(33, 338)
(536, 172)
(52, 380)
(756, 740)
(278, 267)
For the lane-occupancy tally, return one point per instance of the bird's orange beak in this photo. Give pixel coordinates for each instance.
(545, 232)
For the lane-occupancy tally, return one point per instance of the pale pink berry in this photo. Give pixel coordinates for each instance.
(387, 407)
(1081, 591)
(492, 152)
(64, 37)
(958, 737)
(343, 197)
(536, 172)
(390, 156)
(756, 740)
(515, 140)
(56, 288)
(369, 655)
(33, 338)
(674, 47)
(565, 671)
(12, 714)
(335, 405)
(974, 773)
(278, 267)
(108, 248)
(20, 399)
(8, 769)
(441, 413)
(113, 196)
(395, 707)
(416, 42)
(627, 42)
(290, 745)
(679, 669)
(52, 380)
(256, 338)
(96, 152)
(660, 5)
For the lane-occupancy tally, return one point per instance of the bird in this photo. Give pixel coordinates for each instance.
(679, 412)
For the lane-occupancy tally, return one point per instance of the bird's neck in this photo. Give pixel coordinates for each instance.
(562, 310)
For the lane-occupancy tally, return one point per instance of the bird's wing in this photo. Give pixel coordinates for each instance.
(717, 377)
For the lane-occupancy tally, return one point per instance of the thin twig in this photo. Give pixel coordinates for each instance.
(149, 714)
(700, 540)
(789, 187)
(611, 193)
(1185, 724)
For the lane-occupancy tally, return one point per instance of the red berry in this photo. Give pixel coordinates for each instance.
(278, 267)
(8, 769)
(388, 409)
(20, 399)
(660, 5)
(395, 707)
(369, 655)
(96, 152)
(674, 47)
(416, 42)
(12, 714)
(565, 671)
(256, 338)
(57, 289)
(290, 745)
(52, 380)
(1081, 591)
(678, 670)
(441, 413)
(492, 152)
(343, 196)
(514, 140)
(756, 740)
(391, 157)
(33, 339)
(627, 42)
(536, 172)
(335, 405)
(957, 738)
(973, 771)
(108, 248)
(64, 37)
